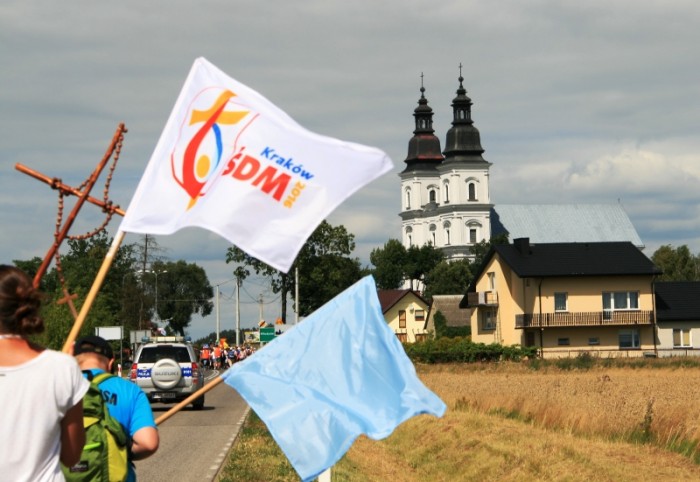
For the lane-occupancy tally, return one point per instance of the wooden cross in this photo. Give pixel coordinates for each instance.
(68, 298)
(83, 195)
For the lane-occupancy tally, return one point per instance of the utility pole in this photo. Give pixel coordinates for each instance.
(238, 311)
(218, 323)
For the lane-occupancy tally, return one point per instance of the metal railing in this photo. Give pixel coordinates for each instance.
(587, 318)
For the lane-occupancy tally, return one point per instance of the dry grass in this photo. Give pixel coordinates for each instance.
(508, 423)
(614, 403)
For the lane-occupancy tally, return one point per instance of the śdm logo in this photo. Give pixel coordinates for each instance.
(205, 149)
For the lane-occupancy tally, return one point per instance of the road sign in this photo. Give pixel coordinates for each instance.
(267, 334)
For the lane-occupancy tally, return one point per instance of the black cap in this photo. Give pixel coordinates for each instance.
(93, 344)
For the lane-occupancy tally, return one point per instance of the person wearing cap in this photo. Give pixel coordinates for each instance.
(125, 401)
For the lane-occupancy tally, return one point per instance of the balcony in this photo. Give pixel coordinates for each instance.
(591, 318)
(482, 298)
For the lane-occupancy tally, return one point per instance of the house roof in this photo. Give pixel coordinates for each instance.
(549, 260)
(677, 300)
(388, 298)
(564, 223)
(448, 305)
(575, 259)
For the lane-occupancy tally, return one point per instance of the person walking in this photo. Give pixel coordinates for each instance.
(41, 390)
(125, 400)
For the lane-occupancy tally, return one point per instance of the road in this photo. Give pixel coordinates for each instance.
(194, 444)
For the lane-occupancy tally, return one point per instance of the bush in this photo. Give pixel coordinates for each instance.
(463, 350)
(444, 331)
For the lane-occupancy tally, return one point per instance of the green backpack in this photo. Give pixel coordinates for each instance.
(104, 456)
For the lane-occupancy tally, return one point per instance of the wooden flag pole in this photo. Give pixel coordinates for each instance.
(189, 400)
(96, 285)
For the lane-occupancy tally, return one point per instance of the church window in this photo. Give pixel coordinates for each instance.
(432, 195)
(472, 191)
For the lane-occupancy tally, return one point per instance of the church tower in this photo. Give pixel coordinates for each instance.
(445, 199)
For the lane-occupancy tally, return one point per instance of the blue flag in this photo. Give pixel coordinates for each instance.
(338, 374)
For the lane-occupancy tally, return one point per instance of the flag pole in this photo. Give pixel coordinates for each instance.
(96, 285)
(189, 400)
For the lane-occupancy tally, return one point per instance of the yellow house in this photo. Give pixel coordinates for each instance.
(565, 298)
(405, 311)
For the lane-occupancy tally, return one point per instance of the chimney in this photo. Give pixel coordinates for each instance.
(522, 245)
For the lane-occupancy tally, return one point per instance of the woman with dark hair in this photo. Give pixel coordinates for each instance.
(41, 391)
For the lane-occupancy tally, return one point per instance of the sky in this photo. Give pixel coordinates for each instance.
(576, 102)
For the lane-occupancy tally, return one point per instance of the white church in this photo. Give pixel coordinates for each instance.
(445, 198)
(445, 194)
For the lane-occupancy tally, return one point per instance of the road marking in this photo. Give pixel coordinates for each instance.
(223, 456)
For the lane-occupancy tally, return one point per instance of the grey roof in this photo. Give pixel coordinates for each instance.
(564, 223)
(448, 305)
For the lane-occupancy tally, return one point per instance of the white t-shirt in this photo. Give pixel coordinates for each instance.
(34, 398)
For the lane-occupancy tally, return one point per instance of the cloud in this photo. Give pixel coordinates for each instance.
(636, 172)
(576, 102)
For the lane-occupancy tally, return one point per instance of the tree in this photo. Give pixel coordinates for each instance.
(325, 268)
(183, 289)
(448, 278)
(280, 282)
(389, 262)
(79, 268)
(677, 264)
(324, 278)
(420, 261)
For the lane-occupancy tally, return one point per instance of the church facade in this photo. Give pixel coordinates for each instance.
(445, 199)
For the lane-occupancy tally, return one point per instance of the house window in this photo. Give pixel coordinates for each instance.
(403, 337)
(492, 280)
(420, 315)
(620, 300)
(563, 342)
(628, 339)
(472, 191)
(594, 340)
(402, 318)
(472, 235)
(681, 338)
(560, 302)
(488, 319)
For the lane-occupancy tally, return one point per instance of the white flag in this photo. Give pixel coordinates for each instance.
(232, 162)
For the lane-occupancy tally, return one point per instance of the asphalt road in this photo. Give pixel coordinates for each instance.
(194, 443)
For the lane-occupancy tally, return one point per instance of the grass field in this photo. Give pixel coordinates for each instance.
(511, 422)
